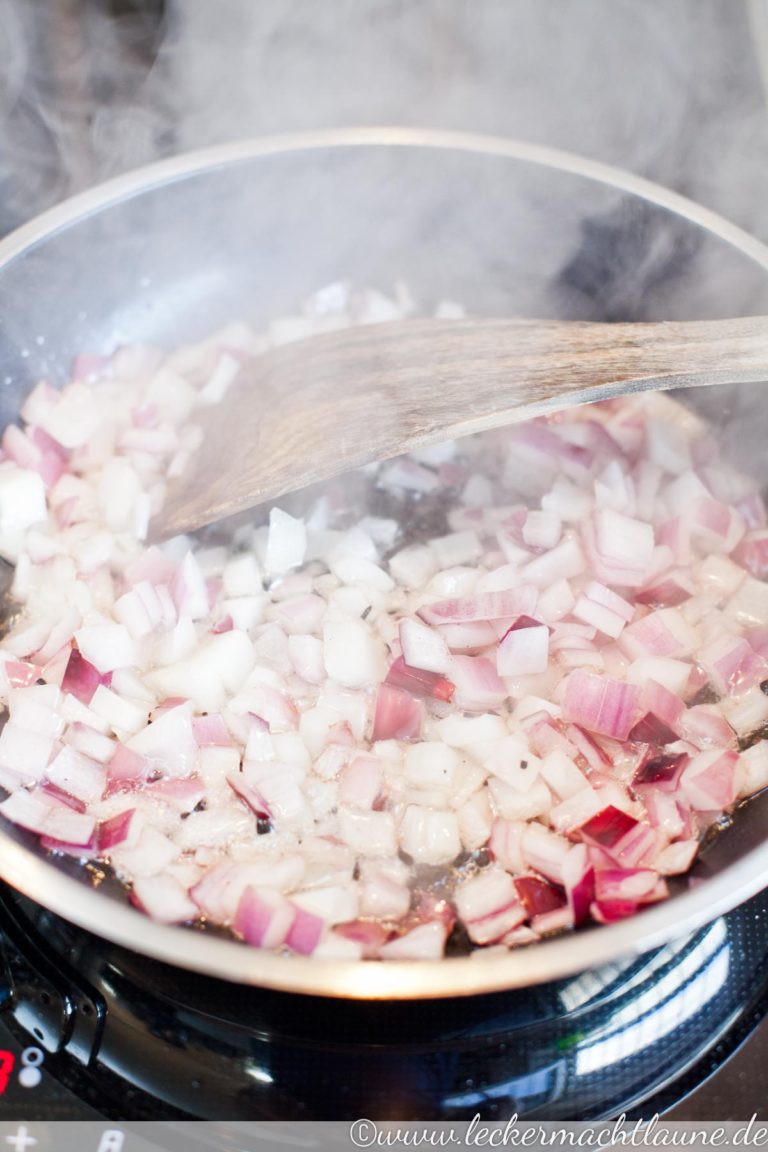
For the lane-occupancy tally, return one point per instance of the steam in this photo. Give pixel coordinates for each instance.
(82, 97)
(90, 88)
(675, 90)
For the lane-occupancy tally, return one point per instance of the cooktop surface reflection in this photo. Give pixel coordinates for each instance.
(89, 1030)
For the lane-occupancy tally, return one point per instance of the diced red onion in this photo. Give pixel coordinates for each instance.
(523, 650)
(81, 678)
(79, 851)
(579, 881)
(578, 623)
(211, 731)
(731, 664)
(76, 774)
(623, 543)
(676, 858)
(126, 770)
(624, 884)
(489, 907)
(425, 942)
(122, 829)
(264, 917)
(368, 933)
(537, 896)
(477, 684)
(304, 933)
(588, 747)
(423, 648)
(556, 920)
(562, 774)
(600, 704)
(164, 899)
(520, 601)
(398, 716)
(661, 773)
(360, 782)
(419, 682)
(609, 911)
(708, 781)
(48, 818)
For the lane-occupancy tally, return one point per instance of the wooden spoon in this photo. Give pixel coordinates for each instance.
(307, 411)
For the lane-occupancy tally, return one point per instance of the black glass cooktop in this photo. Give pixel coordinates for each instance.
(89, 1030)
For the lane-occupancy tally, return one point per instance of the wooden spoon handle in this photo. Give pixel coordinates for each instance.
(319, 407)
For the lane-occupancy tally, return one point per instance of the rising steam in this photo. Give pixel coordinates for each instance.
(669, 88)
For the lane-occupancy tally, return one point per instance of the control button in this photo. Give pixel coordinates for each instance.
(21, 1140)
(112, 1140)
(30, 1074)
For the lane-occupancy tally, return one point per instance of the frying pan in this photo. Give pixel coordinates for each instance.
(248, 230)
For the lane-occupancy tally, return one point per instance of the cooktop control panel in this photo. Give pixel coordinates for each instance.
(29, 1089)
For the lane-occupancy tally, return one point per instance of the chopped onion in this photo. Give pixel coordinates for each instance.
(398, 716)
(41, 814)
(419, 682)
(264, 917)
(81, 678)
(423, 648)
(164, 899)
(524, 649)
(520, 601)
(287, 735)
(600, 704)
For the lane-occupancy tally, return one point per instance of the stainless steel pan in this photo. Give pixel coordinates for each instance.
(249, 230)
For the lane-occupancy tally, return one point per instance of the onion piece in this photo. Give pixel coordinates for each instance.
(624, 545)
(24, 752)
(77, 775)
(600, 704)
(423, 648)
(579, 881)
(555, 920)
(752, 553)
(538, 896)
(520, 601)
(122, 829)
(731, 664)
(164, 899)
(305, 932)
(264, 917)
(82, 678)
(211, 731)
(609, 911)
(661, 773)
(398, 716)
(369, 934)
(676, 858)
(419, 682)
(168, 744)
(624, 884)
(562, 775)
(49, 819)
(425, 942)
(708, 780)
(625, 839)
(524, 649)
(489, 906)
(126, 770)
(477, 684)
(106, 647)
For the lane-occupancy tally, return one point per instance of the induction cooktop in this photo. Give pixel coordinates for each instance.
(89, 1030)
